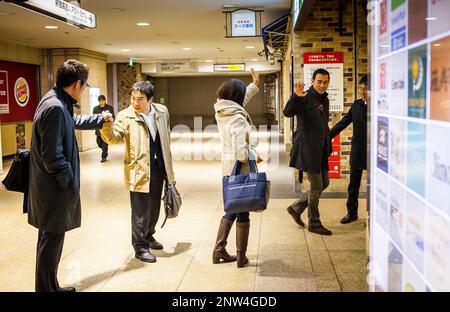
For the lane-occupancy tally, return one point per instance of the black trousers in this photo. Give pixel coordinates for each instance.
(145, 208)
(49, 249)
(353, 191)
(102, 144)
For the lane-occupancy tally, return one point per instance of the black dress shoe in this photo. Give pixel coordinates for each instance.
(155, 245)
(320, 229)
(349, 218)
(296, 216)
(66, 289)
(145, 256)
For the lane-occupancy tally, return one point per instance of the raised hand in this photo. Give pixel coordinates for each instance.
(107, 116)
(255, 76)
(259, 159)
(298, 89)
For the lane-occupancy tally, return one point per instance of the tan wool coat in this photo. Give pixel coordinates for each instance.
(131, 128)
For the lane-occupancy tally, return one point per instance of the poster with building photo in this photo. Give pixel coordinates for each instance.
(383, 29)
(417, 81)
(399, 13)
(440, 80)
(397, 148)
(438, 251)
(383, 143)
(383, 85)
(396, 213)
(398, 104)
(440, 21)
(438, 168)
(415, 157)
(415, 230)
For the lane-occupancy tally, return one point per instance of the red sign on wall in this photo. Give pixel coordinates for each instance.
(334, 161)
(19, 95)
(4, 102)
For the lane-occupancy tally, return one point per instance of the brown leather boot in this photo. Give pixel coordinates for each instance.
(219, 249)
(242, 231)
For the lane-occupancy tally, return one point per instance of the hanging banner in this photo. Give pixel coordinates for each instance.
(333, 62)
(4, 101)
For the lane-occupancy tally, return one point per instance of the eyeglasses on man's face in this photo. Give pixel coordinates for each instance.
(85, 84)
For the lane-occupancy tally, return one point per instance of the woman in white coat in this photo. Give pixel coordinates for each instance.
(234, 125)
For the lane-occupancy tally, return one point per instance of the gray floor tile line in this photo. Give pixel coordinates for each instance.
(332, 264)
(115, 272)
(196, 250)
(257, 253)
(309, 254)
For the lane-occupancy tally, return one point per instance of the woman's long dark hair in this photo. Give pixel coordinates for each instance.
(233, 90)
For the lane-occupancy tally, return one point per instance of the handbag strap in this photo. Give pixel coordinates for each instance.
(251, 161)
(165, 219)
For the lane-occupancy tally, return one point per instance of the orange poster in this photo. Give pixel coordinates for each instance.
(440, 80)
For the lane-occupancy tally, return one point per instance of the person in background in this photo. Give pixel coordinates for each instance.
(234, 124)
(99, 109)
(358, 153)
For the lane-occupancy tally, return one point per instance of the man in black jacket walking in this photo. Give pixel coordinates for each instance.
(358, 154)
(54, 190)
(311, 146)
(99, 109)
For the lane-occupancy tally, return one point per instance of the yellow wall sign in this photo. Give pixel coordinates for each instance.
(229, 67)
(21, 91)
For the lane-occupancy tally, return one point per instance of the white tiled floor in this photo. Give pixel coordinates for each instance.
(99, 257)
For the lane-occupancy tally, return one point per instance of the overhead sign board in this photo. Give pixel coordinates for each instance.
(229, 67)
(243, 23)
(177, 66)
(61, 10)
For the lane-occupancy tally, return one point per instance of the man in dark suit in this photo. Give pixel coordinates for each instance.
(99, 109)
(311, 146)
(54, 189)
(358, 154)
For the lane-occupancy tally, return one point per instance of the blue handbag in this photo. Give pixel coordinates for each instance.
(245, 192)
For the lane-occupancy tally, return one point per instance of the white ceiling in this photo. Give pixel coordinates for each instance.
(174, 24)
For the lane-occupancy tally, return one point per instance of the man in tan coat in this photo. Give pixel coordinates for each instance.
(145, 128)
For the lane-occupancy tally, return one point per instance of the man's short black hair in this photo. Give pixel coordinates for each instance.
(144, 87)
(321, 71)
(363, 80)
(101, 97)
(233, 90)
(71, 71)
